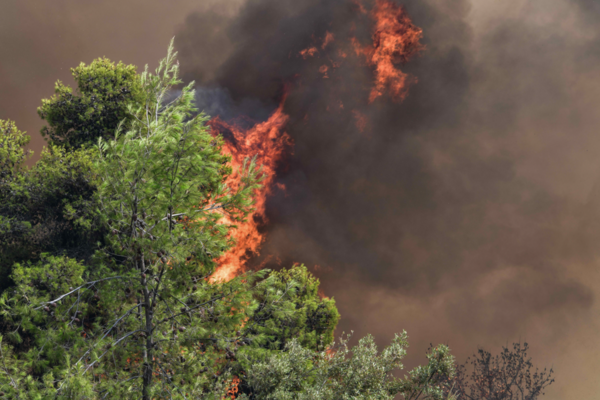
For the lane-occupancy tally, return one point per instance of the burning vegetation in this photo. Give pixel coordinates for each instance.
(267, 141)
(394, 40)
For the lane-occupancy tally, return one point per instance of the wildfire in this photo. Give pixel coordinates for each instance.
(268, 141)
(395, 40)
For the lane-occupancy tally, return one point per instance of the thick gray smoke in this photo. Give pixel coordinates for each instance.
(468, 213)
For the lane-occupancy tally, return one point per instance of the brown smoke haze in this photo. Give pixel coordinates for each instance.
(467, 214)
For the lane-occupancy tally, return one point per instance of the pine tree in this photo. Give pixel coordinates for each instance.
(100, 103)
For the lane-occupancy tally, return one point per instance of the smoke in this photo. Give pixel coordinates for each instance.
(469, 212)
(40, 41)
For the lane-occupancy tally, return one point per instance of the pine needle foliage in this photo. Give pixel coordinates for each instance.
(44, 209)
(100, 103)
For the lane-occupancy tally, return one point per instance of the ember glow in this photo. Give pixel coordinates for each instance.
(268, 142)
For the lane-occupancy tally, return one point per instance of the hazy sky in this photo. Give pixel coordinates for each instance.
(468, 214)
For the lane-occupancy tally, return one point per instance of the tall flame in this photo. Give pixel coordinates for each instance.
(394, 40)
(268, 141)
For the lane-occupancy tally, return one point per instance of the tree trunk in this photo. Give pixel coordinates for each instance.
(148, 353)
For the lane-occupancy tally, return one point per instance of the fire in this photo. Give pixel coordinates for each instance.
(268, 141)
(395, 40)
(360, 7)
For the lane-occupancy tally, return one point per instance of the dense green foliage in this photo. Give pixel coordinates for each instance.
(104, 92)
(45, 209)
(359, 373)
(110, 247)
(12, 155)
(303, 316)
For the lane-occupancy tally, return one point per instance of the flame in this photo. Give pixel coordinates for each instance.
(361, 8)
(268, 141)
(395, 40)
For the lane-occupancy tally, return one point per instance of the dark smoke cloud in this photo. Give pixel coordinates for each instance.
(467, 214)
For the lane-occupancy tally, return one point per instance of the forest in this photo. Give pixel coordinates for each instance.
(109, 242)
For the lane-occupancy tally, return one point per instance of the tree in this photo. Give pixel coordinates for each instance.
(43, 209)
(286, 308)
(12, 155)
(104, 91)
(161, 194)
(504, 377)
(360, 373)
(302, 314)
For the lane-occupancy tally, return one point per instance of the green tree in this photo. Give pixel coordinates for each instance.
(104, 91)
(286, 308)
(44, 209)
(360, 373)
(56, 228)
(302, 316)
(12, 155)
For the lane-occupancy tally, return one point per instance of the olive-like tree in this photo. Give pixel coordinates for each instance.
(507, 376)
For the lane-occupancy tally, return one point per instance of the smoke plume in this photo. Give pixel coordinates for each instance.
(465, 209)
(467, 212)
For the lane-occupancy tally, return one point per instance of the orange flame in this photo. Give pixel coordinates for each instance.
(268, 141)
(395, 40)
(360, 7)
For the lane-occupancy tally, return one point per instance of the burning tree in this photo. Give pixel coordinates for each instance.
(504, 377)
